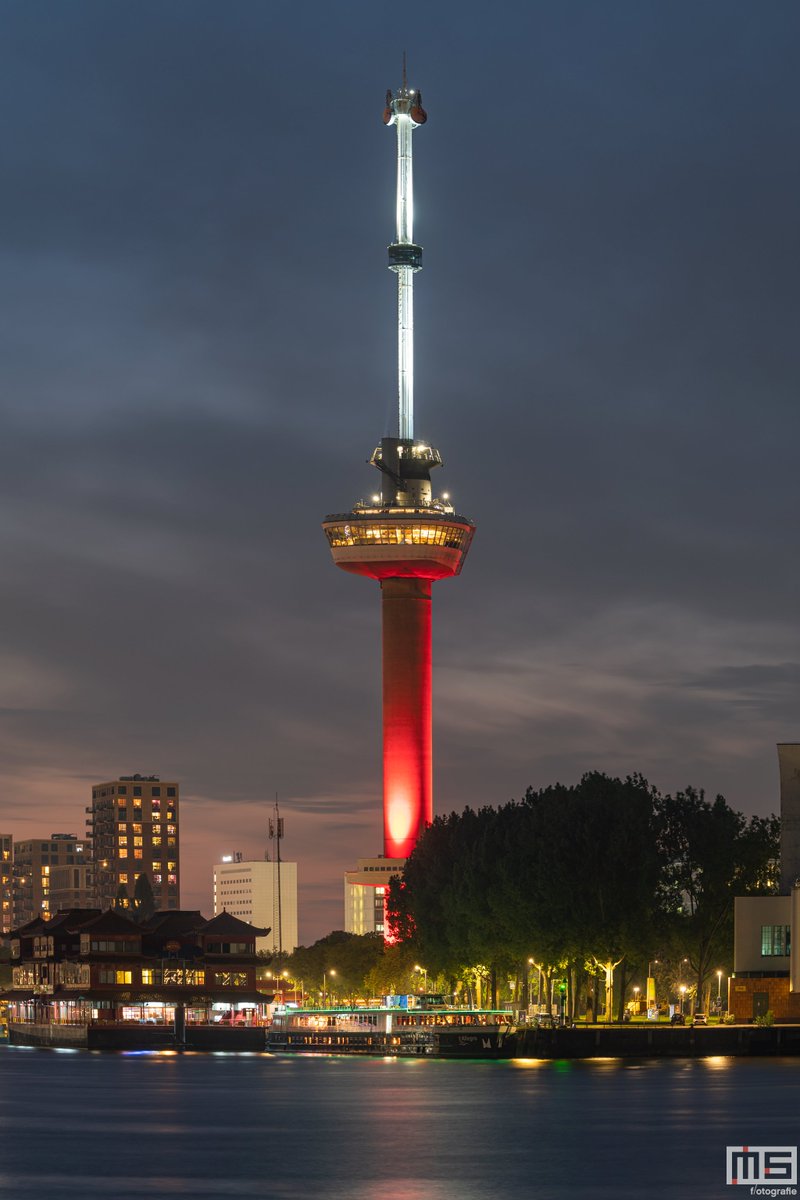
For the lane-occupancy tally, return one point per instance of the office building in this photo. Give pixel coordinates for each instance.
(249, 890)
(365, 893)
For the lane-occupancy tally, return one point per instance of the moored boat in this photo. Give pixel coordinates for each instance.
(391, 1031)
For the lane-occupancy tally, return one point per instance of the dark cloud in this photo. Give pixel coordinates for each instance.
(197, 348)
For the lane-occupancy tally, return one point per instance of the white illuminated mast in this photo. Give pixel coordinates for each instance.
(405, 258)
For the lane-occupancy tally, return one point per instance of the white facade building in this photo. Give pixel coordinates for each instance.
(248, 889)
(365, 893)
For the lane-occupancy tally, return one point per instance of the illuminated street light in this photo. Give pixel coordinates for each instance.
(424, 971)
(651, 983)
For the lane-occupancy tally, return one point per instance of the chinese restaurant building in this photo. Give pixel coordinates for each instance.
(99, 979)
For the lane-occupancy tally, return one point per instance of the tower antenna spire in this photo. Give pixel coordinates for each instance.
(405, 111)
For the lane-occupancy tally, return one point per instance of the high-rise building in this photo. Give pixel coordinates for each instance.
(6, 882)
(405, 538)
(134, 826)
(789, 767)
(249, 889)
(34, 862)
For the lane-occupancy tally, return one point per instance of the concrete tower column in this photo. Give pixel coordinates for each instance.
(407, 723)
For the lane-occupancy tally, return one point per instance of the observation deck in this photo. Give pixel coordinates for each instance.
(381, 542)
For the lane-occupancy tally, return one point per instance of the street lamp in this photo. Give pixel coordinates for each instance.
(539, 988)
(325, 975)
(682, 991)
(651, 983)
(424, 972)
(719, 989)
(636, 991)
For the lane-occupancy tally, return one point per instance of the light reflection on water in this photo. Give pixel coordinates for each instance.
(97, 1125)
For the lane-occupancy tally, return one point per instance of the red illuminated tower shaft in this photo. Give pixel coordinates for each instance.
(407, 725)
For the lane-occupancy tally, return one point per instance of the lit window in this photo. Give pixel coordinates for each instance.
(137, 854)
(156, 841)
(156, 866)
(123, 839)
(123, 876)
(123, 976)
(121, 854)
(137, 841)
(147, 975)
(775, 941)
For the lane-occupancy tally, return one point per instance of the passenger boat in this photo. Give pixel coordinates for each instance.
(391, 1030)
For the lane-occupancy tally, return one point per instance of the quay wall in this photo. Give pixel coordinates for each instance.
(641, 1041)
(137, 1037)
(21, 1034)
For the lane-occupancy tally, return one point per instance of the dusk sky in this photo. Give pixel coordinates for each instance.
(197, 357)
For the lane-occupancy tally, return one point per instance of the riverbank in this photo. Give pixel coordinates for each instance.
(582, 1042)
(644, 1041)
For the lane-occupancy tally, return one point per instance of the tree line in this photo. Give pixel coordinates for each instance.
(586, 884)
(570, 895)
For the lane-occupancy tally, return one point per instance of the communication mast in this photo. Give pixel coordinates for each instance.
(276, 836)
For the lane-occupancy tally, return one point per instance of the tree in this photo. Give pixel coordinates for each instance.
(341, 960)
(144, 902)
(713, 854)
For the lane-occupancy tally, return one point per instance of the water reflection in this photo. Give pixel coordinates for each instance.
(161, 1125)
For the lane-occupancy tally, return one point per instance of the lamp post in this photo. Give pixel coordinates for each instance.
(651, 983)
(539, 988)
(682, 991)
(424, 972)
(325, 975)
(636, 991)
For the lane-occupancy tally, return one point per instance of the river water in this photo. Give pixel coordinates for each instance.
(85, 1125)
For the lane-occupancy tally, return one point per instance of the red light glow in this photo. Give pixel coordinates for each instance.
(407, 727)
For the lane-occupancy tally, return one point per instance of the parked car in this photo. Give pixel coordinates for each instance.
(677, 1018)
(700, 1019)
